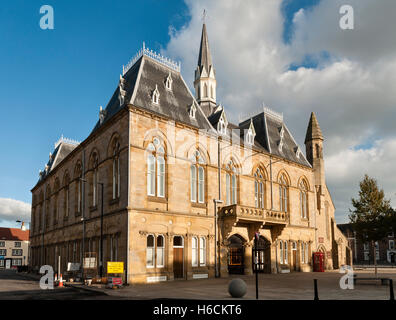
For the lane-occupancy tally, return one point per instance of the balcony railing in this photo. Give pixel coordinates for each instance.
(253, 214)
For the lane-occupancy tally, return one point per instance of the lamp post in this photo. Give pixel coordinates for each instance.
(215, 234)
(83, 226)
(101, 233)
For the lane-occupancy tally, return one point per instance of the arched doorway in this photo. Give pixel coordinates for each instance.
(236, 253)
(262, 254)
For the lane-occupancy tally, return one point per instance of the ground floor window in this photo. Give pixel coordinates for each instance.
(1, 263)
(155, 252)
(198, 247)
(16, 262)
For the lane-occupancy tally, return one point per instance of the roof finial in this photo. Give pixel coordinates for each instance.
(204, 16)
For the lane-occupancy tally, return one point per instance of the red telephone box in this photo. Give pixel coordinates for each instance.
(318, 262)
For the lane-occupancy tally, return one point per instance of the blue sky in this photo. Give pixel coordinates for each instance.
(52, 82)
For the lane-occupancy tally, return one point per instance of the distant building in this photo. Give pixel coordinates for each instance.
(14, 247)
(362, 252)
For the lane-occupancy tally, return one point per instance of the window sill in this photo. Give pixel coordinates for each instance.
(114, 201)
(157, 199)
(77, 214)
(198, 205)
(93, 208)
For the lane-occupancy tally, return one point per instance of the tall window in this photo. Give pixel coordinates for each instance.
(156, 169)
(78, 175)
(303, 199)
(116, 174)
(150, 251)
(197, 176)
(303, 252)
(231, 184)
(259, 189)
(286, 258)
(198, 251)
(160, 251)
(202, 251)
(94, 181)
(47, 207)
(281, 254)
(194, 251)
(56, 199)
(155, 251)
(283, 193)
(66, 196)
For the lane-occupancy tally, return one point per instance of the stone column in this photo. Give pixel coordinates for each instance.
(248, 258)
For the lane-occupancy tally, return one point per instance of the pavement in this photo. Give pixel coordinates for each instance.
(295, 286)
(292, 286)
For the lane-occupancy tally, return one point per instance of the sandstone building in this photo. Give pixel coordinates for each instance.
(185, 190)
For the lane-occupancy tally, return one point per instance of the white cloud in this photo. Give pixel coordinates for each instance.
(12, 210)
(353, 92)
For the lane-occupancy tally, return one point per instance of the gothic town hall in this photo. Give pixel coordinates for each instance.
(185, 191)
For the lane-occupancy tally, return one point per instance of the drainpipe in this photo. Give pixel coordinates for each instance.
(215, 202)
(272, 194)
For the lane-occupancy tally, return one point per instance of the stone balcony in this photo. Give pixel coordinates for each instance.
(246, 213)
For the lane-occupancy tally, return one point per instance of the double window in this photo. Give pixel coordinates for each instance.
(155, 254)
(304, 252)
(303, 199)
(16, 252)
(283, 254)
(283, 193)
(259, 189)
(198, 251)
(156, 169)
(116, 173)
(197, 178)
(231, 184)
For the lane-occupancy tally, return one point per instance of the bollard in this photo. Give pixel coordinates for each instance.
(391, 293)
(316, 289)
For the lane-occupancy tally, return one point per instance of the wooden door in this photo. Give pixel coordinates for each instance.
(178, 263)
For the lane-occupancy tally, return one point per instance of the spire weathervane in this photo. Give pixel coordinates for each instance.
(204, 14)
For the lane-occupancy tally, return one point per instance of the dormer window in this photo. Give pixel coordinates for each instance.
(281, 132)
(298, 152)
(155, 95)
(222, 127)
(250, 134)
(102, 114)
(280, 145)
(168, 82)
(193, 110)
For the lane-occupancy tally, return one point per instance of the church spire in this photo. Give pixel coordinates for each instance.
(204, 58)
(313, 131)
(205, 76)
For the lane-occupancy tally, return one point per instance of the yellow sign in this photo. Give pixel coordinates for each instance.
(115, 267)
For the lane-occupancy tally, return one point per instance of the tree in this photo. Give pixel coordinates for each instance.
(371, 215)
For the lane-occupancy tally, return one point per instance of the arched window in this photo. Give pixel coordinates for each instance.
(116, 173)
(150, 251)
(231, 184)
(285, 248)
(281, 254)
(303, 199)
(66, 196)
(168, 82)
(194, 251)
(283, 192)
(211, 92)
(156, 169)
(160, 251)
(259, 185)
(78, 177)
(94, 180)
(221, 126)
(197, 178)
(202, 251)
(47, 207)
(56, 205)
(205, 90)
(155, 95)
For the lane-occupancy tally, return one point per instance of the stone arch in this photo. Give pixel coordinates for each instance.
(157, 133)
(94, 154)
(284, 173)
(304, 179)
(198, 147)
(114, 140)
(236, 253)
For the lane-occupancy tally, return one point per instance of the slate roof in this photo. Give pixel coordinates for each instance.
(61, 151)
(14, 234)
(268, 136)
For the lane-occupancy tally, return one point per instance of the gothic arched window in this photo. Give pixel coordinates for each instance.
(156, 169)
(197, 178)
(231, 184)
(283, 193)
(259, 187)
(303, 199)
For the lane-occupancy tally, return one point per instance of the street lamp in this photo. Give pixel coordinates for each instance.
(215, 234)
